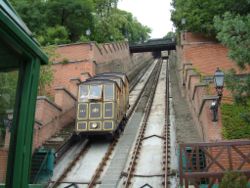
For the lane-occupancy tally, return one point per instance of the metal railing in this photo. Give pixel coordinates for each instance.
(206, 163)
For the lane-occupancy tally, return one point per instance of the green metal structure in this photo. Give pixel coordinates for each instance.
(19, 50)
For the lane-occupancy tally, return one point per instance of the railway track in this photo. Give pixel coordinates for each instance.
(138, 144)
(102, 165)
(94, 179)
(146, 149)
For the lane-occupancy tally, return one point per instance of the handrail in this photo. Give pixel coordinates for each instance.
(41, 167)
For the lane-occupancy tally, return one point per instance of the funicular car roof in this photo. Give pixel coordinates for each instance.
(99, 81)
(117, 74)
(109, 77)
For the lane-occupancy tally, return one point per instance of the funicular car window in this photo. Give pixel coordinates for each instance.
(83, 92)
(108, 92)
(95, 92)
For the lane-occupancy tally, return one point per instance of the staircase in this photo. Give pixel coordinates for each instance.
(42, 165)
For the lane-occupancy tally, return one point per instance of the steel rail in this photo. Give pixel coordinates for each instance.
(72, 164)
(139, 140)
(166, 134)
(134, 82)
(130, 111)
(103, 163)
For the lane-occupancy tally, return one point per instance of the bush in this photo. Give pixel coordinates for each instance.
(233, 180)
(235, 125)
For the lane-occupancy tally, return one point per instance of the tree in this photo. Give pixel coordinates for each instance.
(8, 84)
(33, 13)
(62, 21)
(119, 25)
(233, 30)
(199, 14)
(75, 16)
(170, 35)
(104, 7)
(54, 35)
(234, 33)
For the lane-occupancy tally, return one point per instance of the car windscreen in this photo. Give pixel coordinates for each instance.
(108, 92)
(83, 92)
(95, 92)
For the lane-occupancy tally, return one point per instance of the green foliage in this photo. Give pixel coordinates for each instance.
(119, 25)
(54, 35)
(74, 15)
(65, 61)
(8, 84)
(234, 33)
(67, 17)
(104, 7)
(170, 35)
(33, 14)
(199, 14)
(64, 21)
(239, 87)
(234, 124)
(84, 39)
(46, 74)
(233, 180)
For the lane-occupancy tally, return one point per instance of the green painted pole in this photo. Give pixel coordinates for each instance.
(21, 142)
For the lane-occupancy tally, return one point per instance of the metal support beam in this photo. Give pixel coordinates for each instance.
(20, 150)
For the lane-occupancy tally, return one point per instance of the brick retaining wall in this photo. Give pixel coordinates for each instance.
(197, 59)
(72, 60)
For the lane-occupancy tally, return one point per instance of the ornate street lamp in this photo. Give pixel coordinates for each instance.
(219, 84)
(183, 23)
(88, 32)
(219, 81)
(8, 121)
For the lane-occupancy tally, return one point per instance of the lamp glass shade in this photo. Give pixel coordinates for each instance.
(88, 32)
(183, 21)
(219, 78)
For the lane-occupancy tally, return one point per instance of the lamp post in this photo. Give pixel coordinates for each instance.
(8, 120)
(183, 23)
(88, 32)
(219, 84)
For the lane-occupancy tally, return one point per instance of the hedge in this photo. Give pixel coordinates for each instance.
(233, 120)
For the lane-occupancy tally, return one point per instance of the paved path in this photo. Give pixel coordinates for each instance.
(185, 127)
